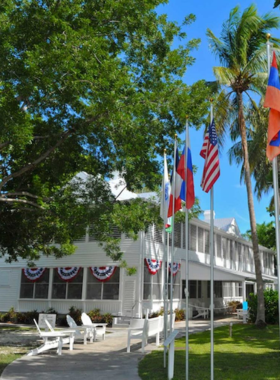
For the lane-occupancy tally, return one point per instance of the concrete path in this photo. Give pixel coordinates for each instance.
(99, 361)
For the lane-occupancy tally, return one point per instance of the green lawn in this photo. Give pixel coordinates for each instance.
(251, 354)
(9, 353)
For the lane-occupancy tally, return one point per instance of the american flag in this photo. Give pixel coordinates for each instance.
(209, 152)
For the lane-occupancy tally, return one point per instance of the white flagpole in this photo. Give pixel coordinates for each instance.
(276, 194)
(187, 256)
(166, 295)
(212, 267)
(172, 223)
(165, 278)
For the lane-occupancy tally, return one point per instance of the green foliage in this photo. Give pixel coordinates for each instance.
(241, 50)
(276, 3)
(97, 317)
(19, 317)
(235, 305)
(179, 315)
(266, 235)
(76, 314)
(270, 304)
(97, 88)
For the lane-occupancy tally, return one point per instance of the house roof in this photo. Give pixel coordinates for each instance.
(228, 224)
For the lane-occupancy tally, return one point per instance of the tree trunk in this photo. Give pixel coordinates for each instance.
(260, 320)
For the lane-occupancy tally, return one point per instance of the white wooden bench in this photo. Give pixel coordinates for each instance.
(142, 329)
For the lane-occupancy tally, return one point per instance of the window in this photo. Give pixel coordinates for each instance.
(200, 240)
(177, 236)
(37, 289)
(108, 290)
(152, 284)
(176, 285)
(194, 289)
(218, 289)
(238, 289)
(158, 235)
(219, 246)
(232, 256)
(207, 241)
(224, 248)
(228, 289)
(114, 233)
(192, 237)
(67, 290)
(239, 256)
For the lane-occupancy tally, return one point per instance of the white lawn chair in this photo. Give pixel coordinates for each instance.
(52, 339)
(201, 312)
(69, 332)
(95, 329)
(80, 331)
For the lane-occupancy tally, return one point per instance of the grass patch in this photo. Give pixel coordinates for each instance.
(15, 328)
(250, 354)
(9, 353)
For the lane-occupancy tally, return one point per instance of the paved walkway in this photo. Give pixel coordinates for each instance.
(99, 361)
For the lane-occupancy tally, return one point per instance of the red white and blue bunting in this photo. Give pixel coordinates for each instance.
(103, 273)
(68, 273)
(175, 268)
(153, 265)
(33, 274)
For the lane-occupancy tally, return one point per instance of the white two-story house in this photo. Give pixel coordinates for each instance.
(83, 285)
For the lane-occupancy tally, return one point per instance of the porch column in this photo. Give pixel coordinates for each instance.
(84, 288)
(50, 287)
(244, 290)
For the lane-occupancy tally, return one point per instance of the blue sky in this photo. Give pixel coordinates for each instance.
(230, 197)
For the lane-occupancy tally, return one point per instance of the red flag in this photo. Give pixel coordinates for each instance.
(176, 183)
(209, 151)
(185, 170)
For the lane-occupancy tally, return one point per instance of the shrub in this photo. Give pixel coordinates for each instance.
(30, 315)
(51, 310)
(97, 317)
(179, 314)
(270, 304)
(235, 305)
(75, 313)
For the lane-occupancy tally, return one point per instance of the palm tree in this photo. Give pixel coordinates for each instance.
(260, 167)
(241, 50)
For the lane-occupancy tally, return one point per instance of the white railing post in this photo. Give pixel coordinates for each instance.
(170, 342)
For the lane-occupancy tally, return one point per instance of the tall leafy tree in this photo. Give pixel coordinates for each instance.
(256, 129)
(241, 50)
(89, 86)
(266, 235)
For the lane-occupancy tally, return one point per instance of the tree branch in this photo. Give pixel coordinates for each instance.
(22, 194)
(3, 145)
(32, 165)
(11, 200)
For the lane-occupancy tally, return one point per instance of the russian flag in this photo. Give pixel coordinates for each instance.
(272, 101)
(176, 184)
(187, 192)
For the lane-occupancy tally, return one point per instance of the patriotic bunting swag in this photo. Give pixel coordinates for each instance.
(175, 268)
(33, 274)
(153, 265)
(103, 273)
(68, 273)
